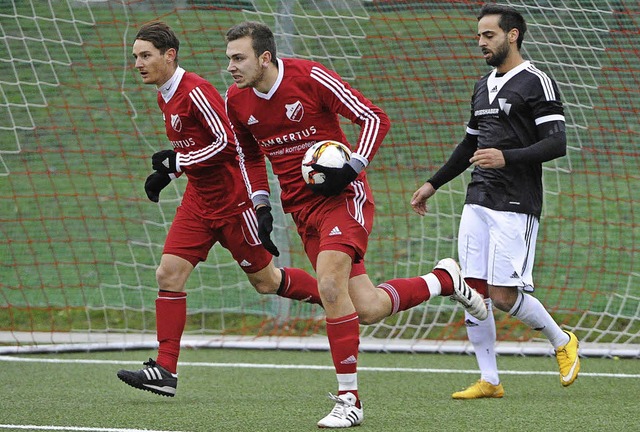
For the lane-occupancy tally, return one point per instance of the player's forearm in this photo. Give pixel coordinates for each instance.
(549, 148)
(201, 157)
(373, 130)
(457, 163)
(257, 180)
(254, 170)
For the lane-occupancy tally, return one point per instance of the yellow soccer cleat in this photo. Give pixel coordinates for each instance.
(481, 389)
(568, 360)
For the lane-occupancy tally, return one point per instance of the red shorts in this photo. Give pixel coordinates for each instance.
(191, 237)
(342, 223)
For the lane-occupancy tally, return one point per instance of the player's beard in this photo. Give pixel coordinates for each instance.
(255, 81)
(499, 55)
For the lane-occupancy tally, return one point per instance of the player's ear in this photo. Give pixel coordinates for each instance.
(170, 55)
(513, 35)
(265, 59)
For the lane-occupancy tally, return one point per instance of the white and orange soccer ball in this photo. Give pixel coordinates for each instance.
(328, 153)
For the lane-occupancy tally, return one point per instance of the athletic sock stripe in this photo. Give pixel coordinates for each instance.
(393, 295)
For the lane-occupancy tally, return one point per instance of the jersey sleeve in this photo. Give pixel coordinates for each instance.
(207, 109)
(339, 97)
(458, 162)
(252, 160)
(548, 115)
(544, 100)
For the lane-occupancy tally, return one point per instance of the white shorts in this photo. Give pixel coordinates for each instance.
(497, 246)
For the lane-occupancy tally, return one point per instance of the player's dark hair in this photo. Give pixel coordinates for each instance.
(509, 19)
(261, 37)
(160, 35)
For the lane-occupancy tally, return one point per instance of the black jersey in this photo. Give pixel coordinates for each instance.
(509, 112)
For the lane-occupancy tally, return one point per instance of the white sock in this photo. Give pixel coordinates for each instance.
(347, 382)
(482, 335)
(530, 311)
(433, 284)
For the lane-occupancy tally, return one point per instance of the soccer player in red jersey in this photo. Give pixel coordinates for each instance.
(279, 108)
(215, 206)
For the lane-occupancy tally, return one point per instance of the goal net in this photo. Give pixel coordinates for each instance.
(80, 242)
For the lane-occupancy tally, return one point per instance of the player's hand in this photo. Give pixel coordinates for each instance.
(488, 158)
(336, 179)
(265, 226)
(164, 161)
(154, 184)
(420, 197)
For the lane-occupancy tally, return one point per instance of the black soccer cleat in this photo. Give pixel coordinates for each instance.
(152, 377)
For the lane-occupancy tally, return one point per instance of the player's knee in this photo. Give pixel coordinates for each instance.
(265, 287)
(266, 281)
(368, 317)
(329, 292)
(166, 279)
(502, 303)
(503, 298)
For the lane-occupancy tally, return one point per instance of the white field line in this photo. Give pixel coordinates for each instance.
(305, 367)
(73, 428)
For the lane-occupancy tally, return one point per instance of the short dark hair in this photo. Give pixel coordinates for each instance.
(509, 19)
(160, 35)
(261, 37)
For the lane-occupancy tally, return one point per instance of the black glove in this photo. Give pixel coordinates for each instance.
(265, 226)
(164, 161)
(336, 179)
(154, 184)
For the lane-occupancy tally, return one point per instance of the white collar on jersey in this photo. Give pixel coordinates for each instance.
(273, 89)
(494, 84)
(168, 89)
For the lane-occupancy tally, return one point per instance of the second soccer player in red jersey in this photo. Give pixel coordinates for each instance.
(279, 108)
(215, 206)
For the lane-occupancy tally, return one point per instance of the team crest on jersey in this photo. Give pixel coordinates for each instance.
(176, 123)
(504, 105)
(295, 111)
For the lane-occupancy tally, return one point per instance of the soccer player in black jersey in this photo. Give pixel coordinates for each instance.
(516, 124)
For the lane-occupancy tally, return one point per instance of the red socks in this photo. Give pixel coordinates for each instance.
(446, 283)
(344, 339)
(171, 317)
(297, 284)
(406, 293)
(479, 285)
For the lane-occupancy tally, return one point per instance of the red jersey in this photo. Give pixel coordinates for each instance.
(199, 131)
(301, 109)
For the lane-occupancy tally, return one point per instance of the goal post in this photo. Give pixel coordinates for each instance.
(80, 242)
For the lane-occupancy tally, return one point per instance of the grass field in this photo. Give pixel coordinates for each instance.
(284, 391)
(80, 241)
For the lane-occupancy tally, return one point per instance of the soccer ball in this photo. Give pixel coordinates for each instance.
(331, 154)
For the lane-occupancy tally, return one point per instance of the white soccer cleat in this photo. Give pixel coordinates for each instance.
(344, 414)
(463, 293)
